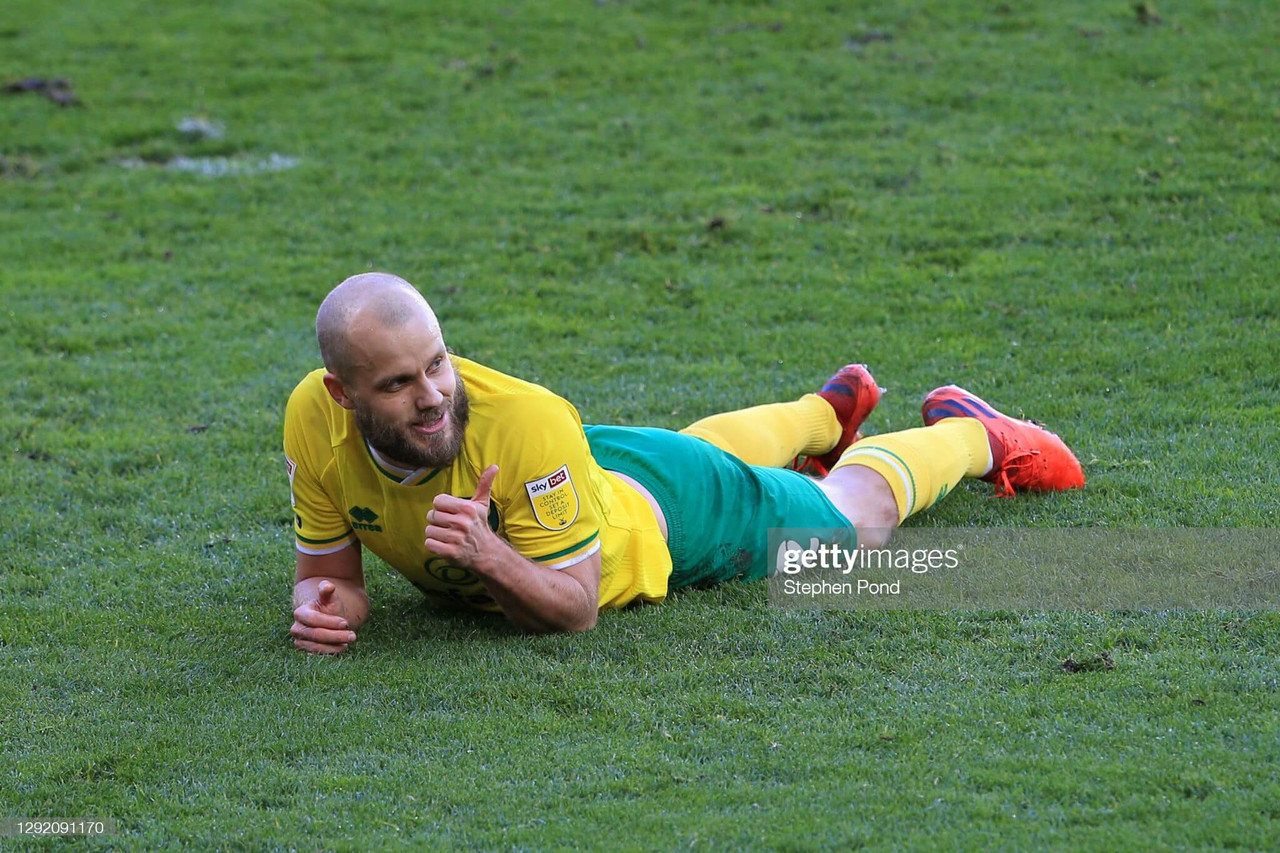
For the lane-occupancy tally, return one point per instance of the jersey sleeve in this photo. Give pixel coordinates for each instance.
(544, 486)
(319, 527)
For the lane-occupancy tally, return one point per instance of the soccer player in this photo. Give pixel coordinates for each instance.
(487, 491)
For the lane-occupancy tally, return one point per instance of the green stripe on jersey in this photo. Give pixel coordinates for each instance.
(302, 538)
(568, 550)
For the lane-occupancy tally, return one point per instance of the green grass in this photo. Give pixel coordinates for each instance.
(1066, 210)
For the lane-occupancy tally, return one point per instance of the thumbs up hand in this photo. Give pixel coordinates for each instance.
(484, 486)
(458, 528)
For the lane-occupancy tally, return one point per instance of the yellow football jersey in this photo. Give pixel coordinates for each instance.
(550, 500)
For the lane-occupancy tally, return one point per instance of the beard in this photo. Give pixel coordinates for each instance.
(401, 444)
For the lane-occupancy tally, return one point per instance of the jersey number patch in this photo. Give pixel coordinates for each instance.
(555, 502)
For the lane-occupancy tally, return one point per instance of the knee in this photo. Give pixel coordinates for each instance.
(873, 537)
(864, 498)
(709, 436)
(875, 523)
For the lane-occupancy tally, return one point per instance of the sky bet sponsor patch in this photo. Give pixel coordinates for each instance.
(555, 502)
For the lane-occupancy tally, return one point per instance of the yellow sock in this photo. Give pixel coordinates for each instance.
(922, 465)
(774, 434)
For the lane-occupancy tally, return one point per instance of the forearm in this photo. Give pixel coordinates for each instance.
(534, 597)
(355, 601)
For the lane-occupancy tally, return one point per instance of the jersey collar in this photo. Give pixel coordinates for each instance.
(403, 476)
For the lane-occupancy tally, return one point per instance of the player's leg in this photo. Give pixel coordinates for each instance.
(863, 496)
(964, 437)
(882, 480)
(820, 425)
(719, 510)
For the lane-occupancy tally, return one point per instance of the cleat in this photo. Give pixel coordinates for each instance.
(1024, 454)
(853, 393)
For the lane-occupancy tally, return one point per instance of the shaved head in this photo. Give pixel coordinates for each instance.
(366, 304)
(387, 362)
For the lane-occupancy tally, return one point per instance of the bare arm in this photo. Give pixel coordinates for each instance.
(537, 598)
(532, 596)
(329, 601)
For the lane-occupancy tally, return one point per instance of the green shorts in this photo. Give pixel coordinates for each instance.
(719, 509)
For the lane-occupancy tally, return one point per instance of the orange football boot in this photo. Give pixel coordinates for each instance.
(1024, 454)
(853, 393)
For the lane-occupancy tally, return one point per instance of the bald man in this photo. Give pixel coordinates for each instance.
(486, 491)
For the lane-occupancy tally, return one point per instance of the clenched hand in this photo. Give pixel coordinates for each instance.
(320, 626)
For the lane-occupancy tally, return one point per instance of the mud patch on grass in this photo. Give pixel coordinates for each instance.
(18, 166)
(197, 127)
(858, 41)
(218, 167)
(1101, 662)
(57, 89)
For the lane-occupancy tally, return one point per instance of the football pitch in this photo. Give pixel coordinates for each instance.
(658, 210)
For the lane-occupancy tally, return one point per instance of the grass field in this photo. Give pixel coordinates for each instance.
(658, 210)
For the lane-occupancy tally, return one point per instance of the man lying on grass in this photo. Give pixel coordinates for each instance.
(487, 491)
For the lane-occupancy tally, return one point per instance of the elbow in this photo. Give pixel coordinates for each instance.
(575, 623)
(568, 623)
(566, 614)
(582, 617)
(588, 613)
(586, 622)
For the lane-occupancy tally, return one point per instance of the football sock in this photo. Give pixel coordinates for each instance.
(774, 434)
(922, 465)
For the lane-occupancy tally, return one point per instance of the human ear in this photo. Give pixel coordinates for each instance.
(336, 390)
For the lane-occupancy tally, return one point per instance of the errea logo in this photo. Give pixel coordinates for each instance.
(363, 518)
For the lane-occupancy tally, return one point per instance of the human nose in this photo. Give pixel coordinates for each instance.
(429, 395)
